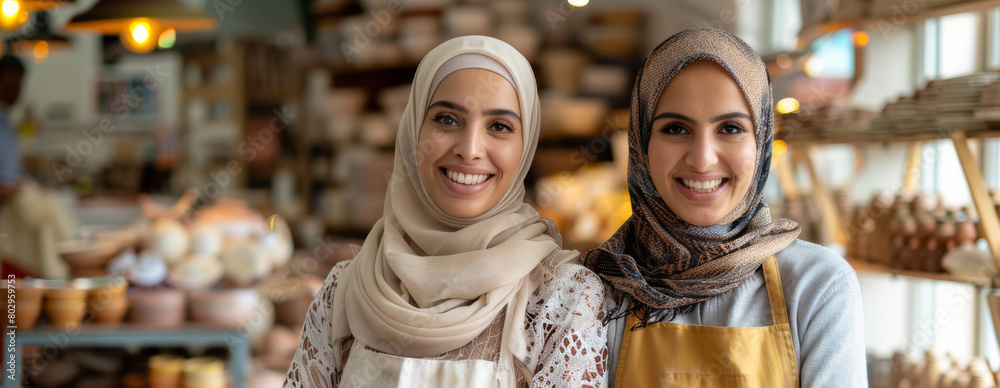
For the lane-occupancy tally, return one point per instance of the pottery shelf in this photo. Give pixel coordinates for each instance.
(866, 266)
(899, 20)
(129, 335)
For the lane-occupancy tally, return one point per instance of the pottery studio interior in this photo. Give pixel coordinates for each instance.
(179, 177)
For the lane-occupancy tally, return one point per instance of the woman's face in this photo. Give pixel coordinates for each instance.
(470, 142)
(701, 150)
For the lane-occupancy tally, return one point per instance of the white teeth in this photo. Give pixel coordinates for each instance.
(702, 187)
(466, 179)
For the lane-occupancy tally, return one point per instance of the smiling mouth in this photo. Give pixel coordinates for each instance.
(702, 187)
(466, 179)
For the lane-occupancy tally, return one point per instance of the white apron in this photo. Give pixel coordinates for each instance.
(367, 368)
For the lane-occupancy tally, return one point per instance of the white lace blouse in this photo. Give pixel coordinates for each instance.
(567, 345)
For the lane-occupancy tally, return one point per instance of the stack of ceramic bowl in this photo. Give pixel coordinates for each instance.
(162, 307)
(65, 306)
(27, 304)
(165, 371)
(107, 300)
(204, 372)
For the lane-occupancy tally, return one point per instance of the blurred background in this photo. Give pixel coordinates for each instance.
(179, 176)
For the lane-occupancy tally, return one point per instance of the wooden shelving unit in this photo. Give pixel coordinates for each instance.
(811, 33)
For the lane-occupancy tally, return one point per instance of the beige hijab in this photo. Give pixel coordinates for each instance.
(424, 282)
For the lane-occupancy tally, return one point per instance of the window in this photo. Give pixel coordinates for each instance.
(951, 46)
(993, 39)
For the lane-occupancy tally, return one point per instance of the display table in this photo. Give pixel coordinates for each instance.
(53, 339)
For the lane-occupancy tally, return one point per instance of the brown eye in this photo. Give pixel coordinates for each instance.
(445, 119)
(732, 129)
(673, 129)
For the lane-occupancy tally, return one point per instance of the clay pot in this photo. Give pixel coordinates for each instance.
(204, 372)
(231, 308)
(165, 371)
(88, 258)
(28, 306)
(65, 307)
(163, 308)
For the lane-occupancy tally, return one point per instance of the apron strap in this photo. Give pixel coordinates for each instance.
(775, 295)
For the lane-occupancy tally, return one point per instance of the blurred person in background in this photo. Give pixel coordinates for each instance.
(705, 289)
(32, 220)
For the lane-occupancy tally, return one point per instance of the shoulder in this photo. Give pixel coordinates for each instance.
(326, 292)
(571, 288)
(808, 263)
(812, 275)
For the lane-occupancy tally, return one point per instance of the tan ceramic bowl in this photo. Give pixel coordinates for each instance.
(163, 308)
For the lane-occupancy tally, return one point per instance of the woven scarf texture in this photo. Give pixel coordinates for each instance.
(656, 264)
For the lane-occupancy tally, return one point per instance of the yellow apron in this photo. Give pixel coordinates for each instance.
(667, 354)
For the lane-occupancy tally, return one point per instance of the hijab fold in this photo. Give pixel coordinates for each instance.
(656, 263)
(425, 282)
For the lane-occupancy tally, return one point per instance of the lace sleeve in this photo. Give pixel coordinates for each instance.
(313, 364)
(567, 344)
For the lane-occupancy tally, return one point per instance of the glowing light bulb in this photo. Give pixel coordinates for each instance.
(861, 38)
(578, 3)
(12, 15)
(41, 52)
(10, 8)
(787, 105)
(779, 148)
(141, 35)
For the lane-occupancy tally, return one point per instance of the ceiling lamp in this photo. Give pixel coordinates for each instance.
(32, 40)
(12, 15)
(139, 23)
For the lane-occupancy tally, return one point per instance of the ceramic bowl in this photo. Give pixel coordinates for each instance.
(163, 308)
(88, 258)
(232, 308)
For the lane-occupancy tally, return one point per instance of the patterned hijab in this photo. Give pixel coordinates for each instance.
(425, 282)
(656, 263)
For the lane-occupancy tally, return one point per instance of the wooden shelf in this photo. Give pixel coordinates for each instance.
(883, 137)
(811, 33)
(864, 266)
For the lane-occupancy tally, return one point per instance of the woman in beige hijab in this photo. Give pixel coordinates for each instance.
(460, 284)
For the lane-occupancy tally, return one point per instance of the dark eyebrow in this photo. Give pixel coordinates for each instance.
(449, 105)
(734, 115)
(668, 115)
(727, 116)
(503, 112)
(491, 112)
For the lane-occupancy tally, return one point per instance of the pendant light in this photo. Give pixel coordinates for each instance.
(38, 41)
(140, 23)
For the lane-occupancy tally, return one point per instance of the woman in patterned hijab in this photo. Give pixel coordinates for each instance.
(696, 250)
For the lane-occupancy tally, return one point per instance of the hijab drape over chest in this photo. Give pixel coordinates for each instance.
(425, 282)
(658, 260)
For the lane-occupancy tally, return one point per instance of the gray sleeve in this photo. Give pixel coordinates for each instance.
(830, 324)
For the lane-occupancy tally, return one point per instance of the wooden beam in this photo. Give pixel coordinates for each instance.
(911, 177)
(831, 218)
(786, 176)
(988, 218)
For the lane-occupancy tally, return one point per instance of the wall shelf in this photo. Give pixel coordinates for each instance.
(864, 266)
(114, 336)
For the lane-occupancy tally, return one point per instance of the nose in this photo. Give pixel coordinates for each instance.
(470, 143)
(702, 152)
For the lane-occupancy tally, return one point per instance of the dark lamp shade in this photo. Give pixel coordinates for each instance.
(111, 17)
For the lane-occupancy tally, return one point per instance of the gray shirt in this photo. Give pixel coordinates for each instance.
(823, 300)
